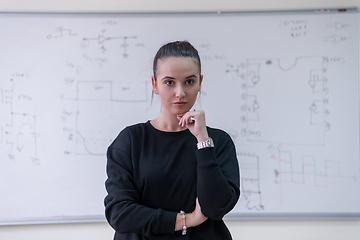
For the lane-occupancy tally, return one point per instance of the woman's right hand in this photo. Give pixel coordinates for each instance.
(192, 219)
(196, 217)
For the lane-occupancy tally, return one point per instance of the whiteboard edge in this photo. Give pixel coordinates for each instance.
(53, 220)
(292, 216)
(349, 9)
(229, 217)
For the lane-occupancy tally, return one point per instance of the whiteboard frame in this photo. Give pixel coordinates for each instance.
(157, 13)
(230, 216)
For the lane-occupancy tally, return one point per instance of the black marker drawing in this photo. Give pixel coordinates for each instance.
(102, 39)
(93, 99)
(61, 32)
(296, 27)
(337, 25)
(309, 170)
(18, 128)
(250, 182)
(335, 38)
(275, 107)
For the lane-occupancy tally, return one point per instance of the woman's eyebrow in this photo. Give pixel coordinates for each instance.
(191, 76)
(167, 77)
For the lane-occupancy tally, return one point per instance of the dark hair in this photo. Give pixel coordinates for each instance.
(176, 49)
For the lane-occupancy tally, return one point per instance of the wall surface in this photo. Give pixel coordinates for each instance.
(242, 230)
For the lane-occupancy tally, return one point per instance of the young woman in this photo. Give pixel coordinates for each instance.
(172, 177)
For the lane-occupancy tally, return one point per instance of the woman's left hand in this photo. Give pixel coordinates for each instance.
(197, 126)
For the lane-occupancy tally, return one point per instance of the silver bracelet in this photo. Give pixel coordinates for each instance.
(184, 227)
(207, 143)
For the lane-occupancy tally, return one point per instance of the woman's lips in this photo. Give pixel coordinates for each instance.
(180, 103)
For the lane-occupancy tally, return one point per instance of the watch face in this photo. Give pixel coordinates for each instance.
(211, 142)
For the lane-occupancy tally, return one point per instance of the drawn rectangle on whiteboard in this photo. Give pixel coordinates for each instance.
(93, 90)
(128, 91)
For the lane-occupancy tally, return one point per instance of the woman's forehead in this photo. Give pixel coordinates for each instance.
(177, 65)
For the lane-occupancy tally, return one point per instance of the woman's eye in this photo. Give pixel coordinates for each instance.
(189, 82)
(169, 83)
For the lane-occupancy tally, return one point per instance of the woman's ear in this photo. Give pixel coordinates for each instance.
(201, 79)
(154, 87)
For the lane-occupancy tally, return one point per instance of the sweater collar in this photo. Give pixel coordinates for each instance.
(158, 132)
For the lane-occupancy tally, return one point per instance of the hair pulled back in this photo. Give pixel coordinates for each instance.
(176, 49)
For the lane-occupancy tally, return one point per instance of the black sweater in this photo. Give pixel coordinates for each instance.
(152, 175)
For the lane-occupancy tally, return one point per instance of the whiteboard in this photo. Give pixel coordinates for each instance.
(284, 85)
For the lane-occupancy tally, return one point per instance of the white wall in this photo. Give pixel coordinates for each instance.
(242, 230)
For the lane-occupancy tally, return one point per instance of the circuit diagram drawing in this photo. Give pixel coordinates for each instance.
(61, 32)
(85, 101)
(338, 33)
(250, 182)
(306, 170)
(277, 108)
(337, 25)
(18, 136)
(94, 99)
(335, 38)
(101, 40)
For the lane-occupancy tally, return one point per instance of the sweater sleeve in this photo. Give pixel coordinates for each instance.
(218, 183)
(122, 204)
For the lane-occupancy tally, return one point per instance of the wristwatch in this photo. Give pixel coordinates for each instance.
(207, 143)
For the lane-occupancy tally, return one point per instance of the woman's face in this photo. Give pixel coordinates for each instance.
(178, 82)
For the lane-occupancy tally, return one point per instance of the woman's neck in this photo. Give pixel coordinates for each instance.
(167, 123)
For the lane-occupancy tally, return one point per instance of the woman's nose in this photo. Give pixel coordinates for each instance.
(180, 91)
